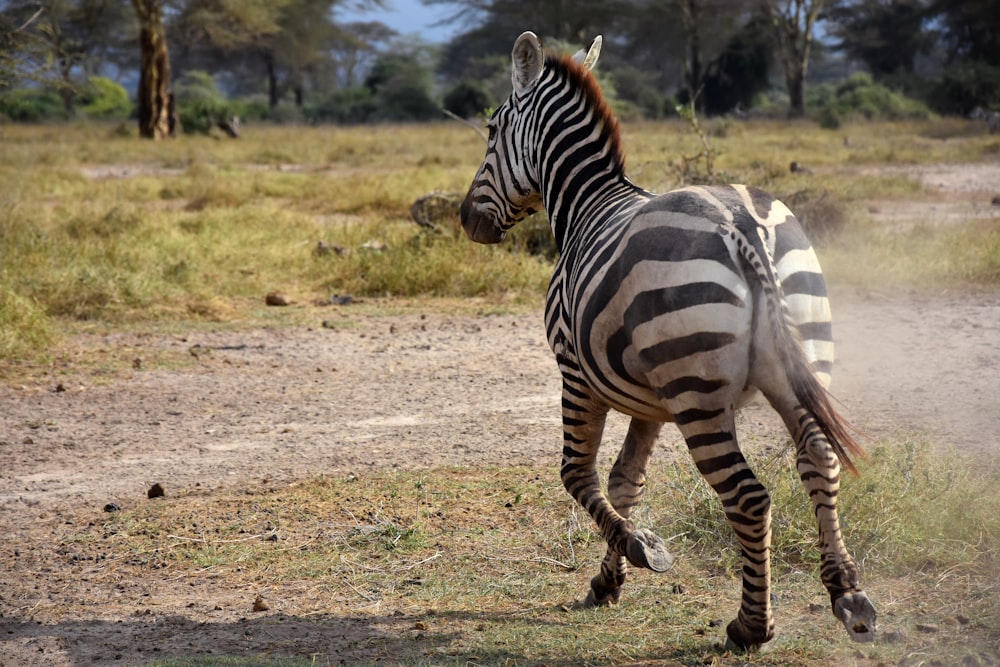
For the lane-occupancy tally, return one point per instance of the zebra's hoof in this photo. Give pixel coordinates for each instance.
(857, 613)
(740, 638)
(645, 549)
(594, 600)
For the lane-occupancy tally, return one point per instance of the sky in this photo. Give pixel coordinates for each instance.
(408, 17)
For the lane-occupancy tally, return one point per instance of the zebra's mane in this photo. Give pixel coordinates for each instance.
(582, 79)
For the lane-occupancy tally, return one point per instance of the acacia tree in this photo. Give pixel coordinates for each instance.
(793, 22)
(154, 98)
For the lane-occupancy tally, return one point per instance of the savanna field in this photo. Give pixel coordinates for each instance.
(133, 278)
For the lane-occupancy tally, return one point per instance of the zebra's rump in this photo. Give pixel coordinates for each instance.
(668, 306)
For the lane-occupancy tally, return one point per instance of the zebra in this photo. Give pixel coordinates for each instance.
(676, 307)
(991, 118)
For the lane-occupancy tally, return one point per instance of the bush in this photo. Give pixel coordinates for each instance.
(859, 97)
(965, 86)
(31, 105)
(349, 105)
(200, 104)
(401, 87)
(636, 88)
(104, 98)
(467, 99)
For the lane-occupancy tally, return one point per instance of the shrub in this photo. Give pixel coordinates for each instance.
(636, 88)
(200, 104)
(31, 105)
(467, 99)
(104, 98)
(349, 105)
(860, 97)
(965, 86)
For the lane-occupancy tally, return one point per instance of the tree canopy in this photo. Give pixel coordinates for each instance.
(295, 59)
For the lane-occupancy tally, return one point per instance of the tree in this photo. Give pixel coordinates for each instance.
(793, 23)
(219, 31)
(154, 98)
(886, 35)
(60, 43)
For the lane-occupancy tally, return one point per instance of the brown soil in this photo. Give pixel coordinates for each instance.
(270, 406)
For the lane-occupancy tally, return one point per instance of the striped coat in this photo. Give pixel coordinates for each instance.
(669, 308)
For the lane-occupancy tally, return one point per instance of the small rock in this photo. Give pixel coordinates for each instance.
(341, 299)
(815, 608)
(137, 363)
(60, 388)
(111, 507)
(156, 491)
(797, 168)
(374, 245)
(927, 628)
(896, 636)
(715, 622)
(277, 299)
(996, 200)
(963, 619)
(678, 589)
(260, 604)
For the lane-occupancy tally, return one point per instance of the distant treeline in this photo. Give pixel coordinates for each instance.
(191, 64)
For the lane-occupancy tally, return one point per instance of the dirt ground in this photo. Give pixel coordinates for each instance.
(270, 406)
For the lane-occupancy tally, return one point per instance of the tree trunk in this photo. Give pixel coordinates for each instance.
(793, 22)
(795, 80)
(690, 18)
(155, 105)
(272, 81)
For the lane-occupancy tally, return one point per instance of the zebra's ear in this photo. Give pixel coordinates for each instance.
(589, 58)
(527, 61)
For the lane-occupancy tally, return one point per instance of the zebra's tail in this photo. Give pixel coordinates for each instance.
(810, 393)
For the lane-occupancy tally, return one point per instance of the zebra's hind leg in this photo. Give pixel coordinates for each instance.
(711, 439)
(626, 486)
(819, 470)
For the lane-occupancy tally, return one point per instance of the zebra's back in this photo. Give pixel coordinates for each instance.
(669, 285)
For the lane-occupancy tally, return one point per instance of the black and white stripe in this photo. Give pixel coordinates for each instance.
(674, 307)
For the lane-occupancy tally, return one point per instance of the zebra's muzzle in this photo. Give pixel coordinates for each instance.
(480, 226)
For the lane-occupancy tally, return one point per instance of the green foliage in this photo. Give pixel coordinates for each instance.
(740, 72)
(965, 85)
(401, 86)
(200, 103)
(636, 89)
(31, 105)
(104, 98)
(860, 98)
(467, 99)
(347, 105)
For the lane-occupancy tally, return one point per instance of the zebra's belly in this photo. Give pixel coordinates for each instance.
(644, 403)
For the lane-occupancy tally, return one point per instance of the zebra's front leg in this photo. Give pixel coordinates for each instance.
(583, 425)
(819, 469)
(626, 486)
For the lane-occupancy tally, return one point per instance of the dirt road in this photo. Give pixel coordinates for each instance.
(420, 391)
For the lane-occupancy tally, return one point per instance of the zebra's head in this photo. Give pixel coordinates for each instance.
(505, 189)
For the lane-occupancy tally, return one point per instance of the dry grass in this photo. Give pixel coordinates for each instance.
(95, 227)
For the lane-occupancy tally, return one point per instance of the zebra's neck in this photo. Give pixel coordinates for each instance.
(581, 171)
